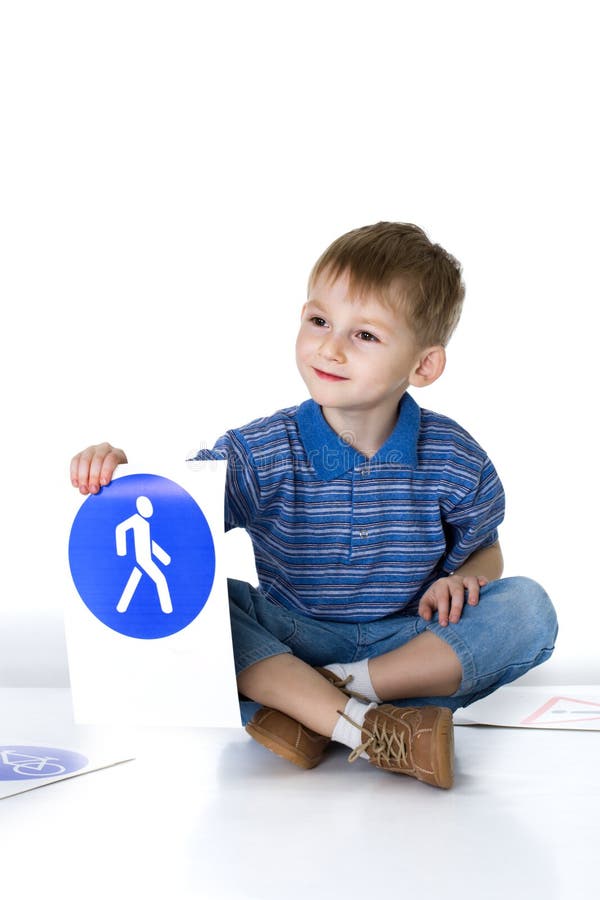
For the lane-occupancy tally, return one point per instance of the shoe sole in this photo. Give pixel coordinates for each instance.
(443, 737)
(280, 749)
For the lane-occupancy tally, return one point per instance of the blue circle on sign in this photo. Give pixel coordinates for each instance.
(18, 763)
(142, 556)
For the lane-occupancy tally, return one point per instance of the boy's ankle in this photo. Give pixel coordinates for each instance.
(354, 680)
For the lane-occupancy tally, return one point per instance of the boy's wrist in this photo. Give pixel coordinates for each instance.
(486, 563)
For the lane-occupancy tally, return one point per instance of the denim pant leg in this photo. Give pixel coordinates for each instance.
(510, 631)
(261, 629)
(252, 639)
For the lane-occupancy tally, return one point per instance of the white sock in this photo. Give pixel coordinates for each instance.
(361, 680)
(348, 734)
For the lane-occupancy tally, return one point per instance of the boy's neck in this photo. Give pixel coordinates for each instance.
(365, 430)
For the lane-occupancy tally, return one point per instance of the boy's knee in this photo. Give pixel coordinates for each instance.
(241, 597)
(535, 611)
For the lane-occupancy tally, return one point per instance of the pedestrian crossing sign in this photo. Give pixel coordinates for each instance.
(147, 617)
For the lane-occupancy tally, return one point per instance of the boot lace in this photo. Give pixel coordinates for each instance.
(385, 747)
(342, 685)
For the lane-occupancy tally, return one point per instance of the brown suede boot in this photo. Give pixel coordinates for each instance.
(287, 738)
(290, 739)
(417, 741)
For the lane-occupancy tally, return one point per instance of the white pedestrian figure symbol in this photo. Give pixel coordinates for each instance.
(144, 548)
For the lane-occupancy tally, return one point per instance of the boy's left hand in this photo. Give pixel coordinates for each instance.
(447, 596)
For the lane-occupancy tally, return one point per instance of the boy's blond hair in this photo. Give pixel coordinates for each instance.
(398, 262)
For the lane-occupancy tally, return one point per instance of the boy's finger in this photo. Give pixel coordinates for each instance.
(473, 595)
(110, 462)
(94, 476)
(426, 607)
(74, 471)
(81, 469)
(458, 601)
(443, 608)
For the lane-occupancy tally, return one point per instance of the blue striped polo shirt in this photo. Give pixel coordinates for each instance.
(341, 537)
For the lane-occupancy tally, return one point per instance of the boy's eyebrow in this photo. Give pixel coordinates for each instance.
(375, 323)
(369, 321)
(313, 302)
(316, 306)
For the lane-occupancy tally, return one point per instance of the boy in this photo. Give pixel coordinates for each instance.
(380, 606)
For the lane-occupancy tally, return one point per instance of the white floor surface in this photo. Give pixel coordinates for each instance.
(210, 814)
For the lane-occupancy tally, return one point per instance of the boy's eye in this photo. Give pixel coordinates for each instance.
(367, 336)
(317, 320)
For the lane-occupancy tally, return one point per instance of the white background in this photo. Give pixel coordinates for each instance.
(170, 172)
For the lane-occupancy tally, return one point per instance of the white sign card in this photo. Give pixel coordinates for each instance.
(39, 744)
(571, 707)
(147, 619)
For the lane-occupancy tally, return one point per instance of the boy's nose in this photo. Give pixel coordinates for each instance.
(332, 347)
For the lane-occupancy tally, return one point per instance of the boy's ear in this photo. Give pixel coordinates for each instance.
(429, 367)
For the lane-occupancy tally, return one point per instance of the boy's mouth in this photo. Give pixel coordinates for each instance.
(327, 376)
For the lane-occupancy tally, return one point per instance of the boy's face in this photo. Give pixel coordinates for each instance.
(354, 354)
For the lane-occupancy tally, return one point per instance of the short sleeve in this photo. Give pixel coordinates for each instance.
(471, 518)
(242, 491)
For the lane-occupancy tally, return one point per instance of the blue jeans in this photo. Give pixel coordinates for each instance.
(511, 630)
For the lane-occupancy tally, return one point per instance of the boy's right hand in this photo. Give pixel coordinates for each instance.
(93, 468)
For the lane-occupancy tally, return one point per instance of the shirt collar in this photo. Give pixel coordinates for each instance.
(331, 457)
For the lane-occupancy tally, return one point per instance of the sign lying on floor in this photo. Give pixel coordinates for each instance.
(23, 768)
(39, 744)
(566, 712)
(574, 707)
(147, 622)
